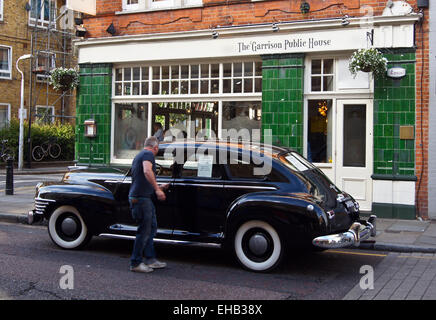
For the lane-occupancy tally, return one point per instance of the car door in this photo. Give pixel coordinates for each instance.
(200, 211)
(164, 209)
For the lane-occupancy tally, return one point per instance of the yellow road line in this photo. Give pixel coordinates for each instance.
(359, 253)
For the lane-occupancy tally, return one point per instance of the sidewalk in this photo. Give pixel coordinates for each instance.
(392, 235)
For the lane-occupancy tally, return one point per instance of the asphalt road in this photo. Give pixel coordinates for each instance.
(32, 267)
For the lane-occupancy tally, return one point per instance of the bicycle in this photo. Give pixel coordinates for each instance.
(5, 152)
(52, 149)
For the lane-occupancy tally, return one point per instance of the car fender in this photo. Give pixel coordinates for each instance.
(296, 212)
(94, 202)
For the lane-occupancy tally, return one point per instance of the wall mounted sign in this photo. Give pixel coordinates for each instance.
(396, 73)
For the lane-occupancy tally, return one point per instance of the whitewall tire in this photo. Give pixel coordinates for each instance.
(67, 228)
(257, 246)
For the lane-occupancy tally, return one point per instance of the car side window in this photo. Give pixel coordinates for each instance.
(164, 165)
(201, 166)
(246, 170)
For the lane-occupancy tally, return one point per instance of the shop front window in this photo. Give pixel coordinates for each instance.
(322, 75)
(319, 137)
(242, 115)
(130, 130)
(181, 120)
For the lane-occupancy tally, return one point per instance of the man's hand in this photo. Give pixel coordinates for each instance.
(160, 195)
(164, 187)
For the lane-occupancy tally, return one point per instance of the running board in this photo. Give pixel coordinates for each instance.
(168, 241)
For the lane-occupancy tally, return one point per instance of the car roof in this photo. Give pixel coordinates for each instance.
(231, 145)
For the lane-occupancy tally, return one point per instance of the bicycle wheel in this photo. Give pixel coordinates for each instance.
(5, 155)
(37, 153)
(54, 150)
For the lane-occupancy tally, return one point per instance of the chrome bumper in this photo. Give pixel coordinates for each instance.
(357, 232)
(33, 216)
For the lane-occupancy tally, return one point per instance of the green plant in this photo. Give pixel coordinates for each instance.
(63, 134)
(368, 60)
(64, 79)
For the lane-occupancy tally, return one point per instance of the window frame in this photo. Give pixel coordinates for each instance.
(9, 48)
(1, 10)
(52, 115)
(8, 113)
(323, 75)
(41, 22)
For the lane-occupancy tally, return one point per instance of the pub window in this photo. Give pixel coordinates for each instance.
(322, 75)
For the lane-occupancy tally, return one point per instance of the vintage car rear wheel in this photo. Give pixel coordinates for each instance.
(67, 228)
(258, 246)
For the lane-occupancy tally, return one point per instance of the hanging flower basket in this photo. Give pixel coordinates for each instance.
(64, 79)
(368, 60)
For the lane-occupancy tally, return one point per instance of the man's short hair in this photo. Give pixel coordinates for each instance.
(151, 142)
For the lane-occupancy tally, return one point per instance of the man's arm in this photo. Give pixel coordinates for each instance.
(149, 175)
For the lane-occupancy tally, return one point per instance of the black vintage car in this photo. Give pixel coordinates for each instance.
(257, 200)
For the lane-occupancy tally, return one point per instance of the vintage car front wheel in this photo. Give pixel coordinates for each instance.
(67, 228)
(258, 246)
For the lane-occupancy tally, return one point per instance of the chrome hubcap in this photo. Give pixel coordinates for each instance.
(69, 226)
(258, 244)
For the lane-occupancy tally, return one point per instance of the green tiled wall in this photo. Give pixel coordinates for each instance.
(394, 106)
(94, 102)
(282, 99)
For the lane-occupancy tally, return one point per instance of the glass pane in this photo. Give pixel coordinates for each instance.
(215, 70)
(185, 72)
(156, 87)
(145, 73)
(165, 87)
(135, 88)
(328, 66)
(227, 86)
(184, 87)
(316, 66)
(319, 134)
(248, 85)
(174, 72)
(214, 86)
(194, 71)
(165, 72)
(227, 69)
(237, 69)
(242, 115)
(316, 83)
(118, 72)
(127, 89)
(174, 87)
(258, 66)
(144, 86)
(194, 87)
(327, 83)
(354, 135)
(127, 74)
(136, 73)
(237, 85)
(156, 73)
(258, 85)
(204, 86)
(130, 129)
(248, 69)
(205, 71)
(118, 89)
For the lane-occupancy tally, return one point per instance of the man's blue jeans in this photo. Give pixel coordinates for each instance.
(144, 214)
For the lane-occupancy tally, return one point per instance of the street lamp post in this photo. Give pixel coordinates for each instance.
(21, 114)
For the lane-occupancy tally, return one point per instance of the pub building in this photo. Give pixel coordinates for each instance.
(288, 77)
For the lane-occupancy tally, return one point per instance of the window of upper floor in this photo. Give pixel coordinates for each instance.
(5, 62)
(42, 13)
(1, 10)
(143, 5)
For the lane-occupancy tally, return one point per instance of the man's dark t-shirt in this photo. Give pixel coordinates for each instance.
(140, 186)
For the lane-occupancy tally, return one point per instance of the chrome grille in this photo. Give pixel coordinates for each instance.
(41, 204)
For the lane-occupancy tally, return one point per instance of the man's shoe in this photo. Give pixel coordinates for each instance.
(157, 265)
(141, 268)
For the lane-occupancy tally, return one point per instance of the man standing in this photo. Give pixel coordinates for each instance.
(143, 211)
